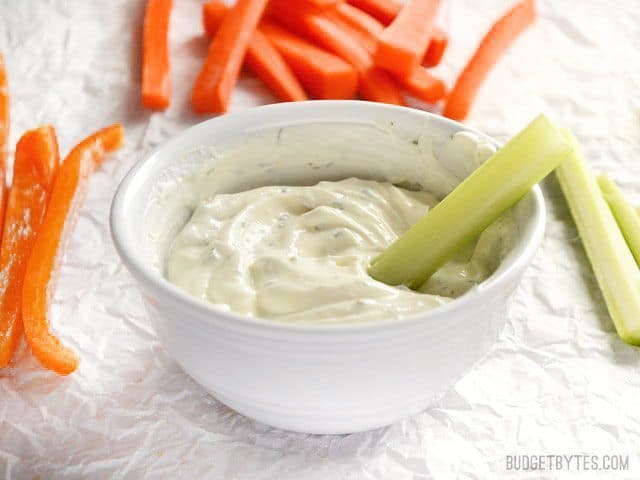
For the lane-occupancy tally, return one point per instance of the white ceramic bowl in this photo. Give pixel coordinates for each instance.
(323, 378)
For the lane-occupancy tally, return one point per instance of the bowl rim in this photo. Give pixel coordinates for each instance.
(154, 282)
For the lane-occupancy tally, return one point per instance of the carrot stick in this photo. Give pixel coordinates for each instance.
(34, 169)
(322, 3)
(491, 48)
(362, 27)
(156, 85)
(385, 11)
(212, 14)
(375, 84)
(358, 19)
(212, 89)
(76, 168)
(436, 48)
(4, 110)
(360, 36)
(311, 22)
(424, 86)
(266, 62)
(403, 44)
(323, 74)
(262, 57)
(4, 137)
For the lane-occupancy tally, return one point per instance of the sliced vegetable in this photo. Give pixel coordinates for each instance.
(76, 168)
(403, 44)
(625, 215)
(360, 35)
(375, 84)
(385, 11)
(612, 261)
(322, 3)
(491, 48)
(156, 88)
(212, 14)
(4, 109)
(437, 46)
(420, 83)
(266, 62)
(424, 86)
(474, 204)
(323, 74)
(359, 14)
(262, 58)
(212, 89)
(358, 19)
(34, 169)
(4, 136)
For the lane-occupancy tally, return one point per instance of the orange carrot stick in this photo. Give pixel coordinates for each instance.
(385, 11)
(403, 44)
(492, 46)
(266, 62)
(436, 48)
(4, 110)
(212, 89)
(34, 169)
(156, 89)
(4, 137)
(212, 14)
(76, 168)
(323, 74)
(262, 57)
(311, 23)
(424, 86)
(358, 19)
(375, 84)
(322, 3)
(362, 27)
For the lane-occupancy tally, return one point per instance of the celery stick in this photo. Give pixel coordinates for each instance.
(612, 262)
(624, 213)
(479, 200)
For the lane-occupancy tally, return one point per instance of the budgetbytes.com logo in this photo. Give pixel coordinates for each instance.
(563, 462)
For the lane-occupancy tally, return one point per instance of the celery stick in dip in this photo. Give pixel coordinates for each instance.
(474, 204)
(301, 253)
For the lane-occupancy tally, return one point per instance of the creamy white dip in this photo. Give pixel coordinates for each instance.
(226, 225)
(301, 253)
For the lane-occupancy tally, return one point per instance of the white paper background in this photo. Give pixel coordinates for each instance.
(559, 381)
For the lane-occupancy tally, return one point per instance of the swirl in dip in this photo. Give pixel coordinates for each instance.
(300, 253)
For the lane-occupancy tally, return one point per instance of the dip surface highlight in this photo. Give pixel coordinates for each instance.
(300, 253)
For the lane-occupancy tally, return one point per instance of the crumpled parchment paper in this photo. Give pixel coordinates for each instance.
(559, 381)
